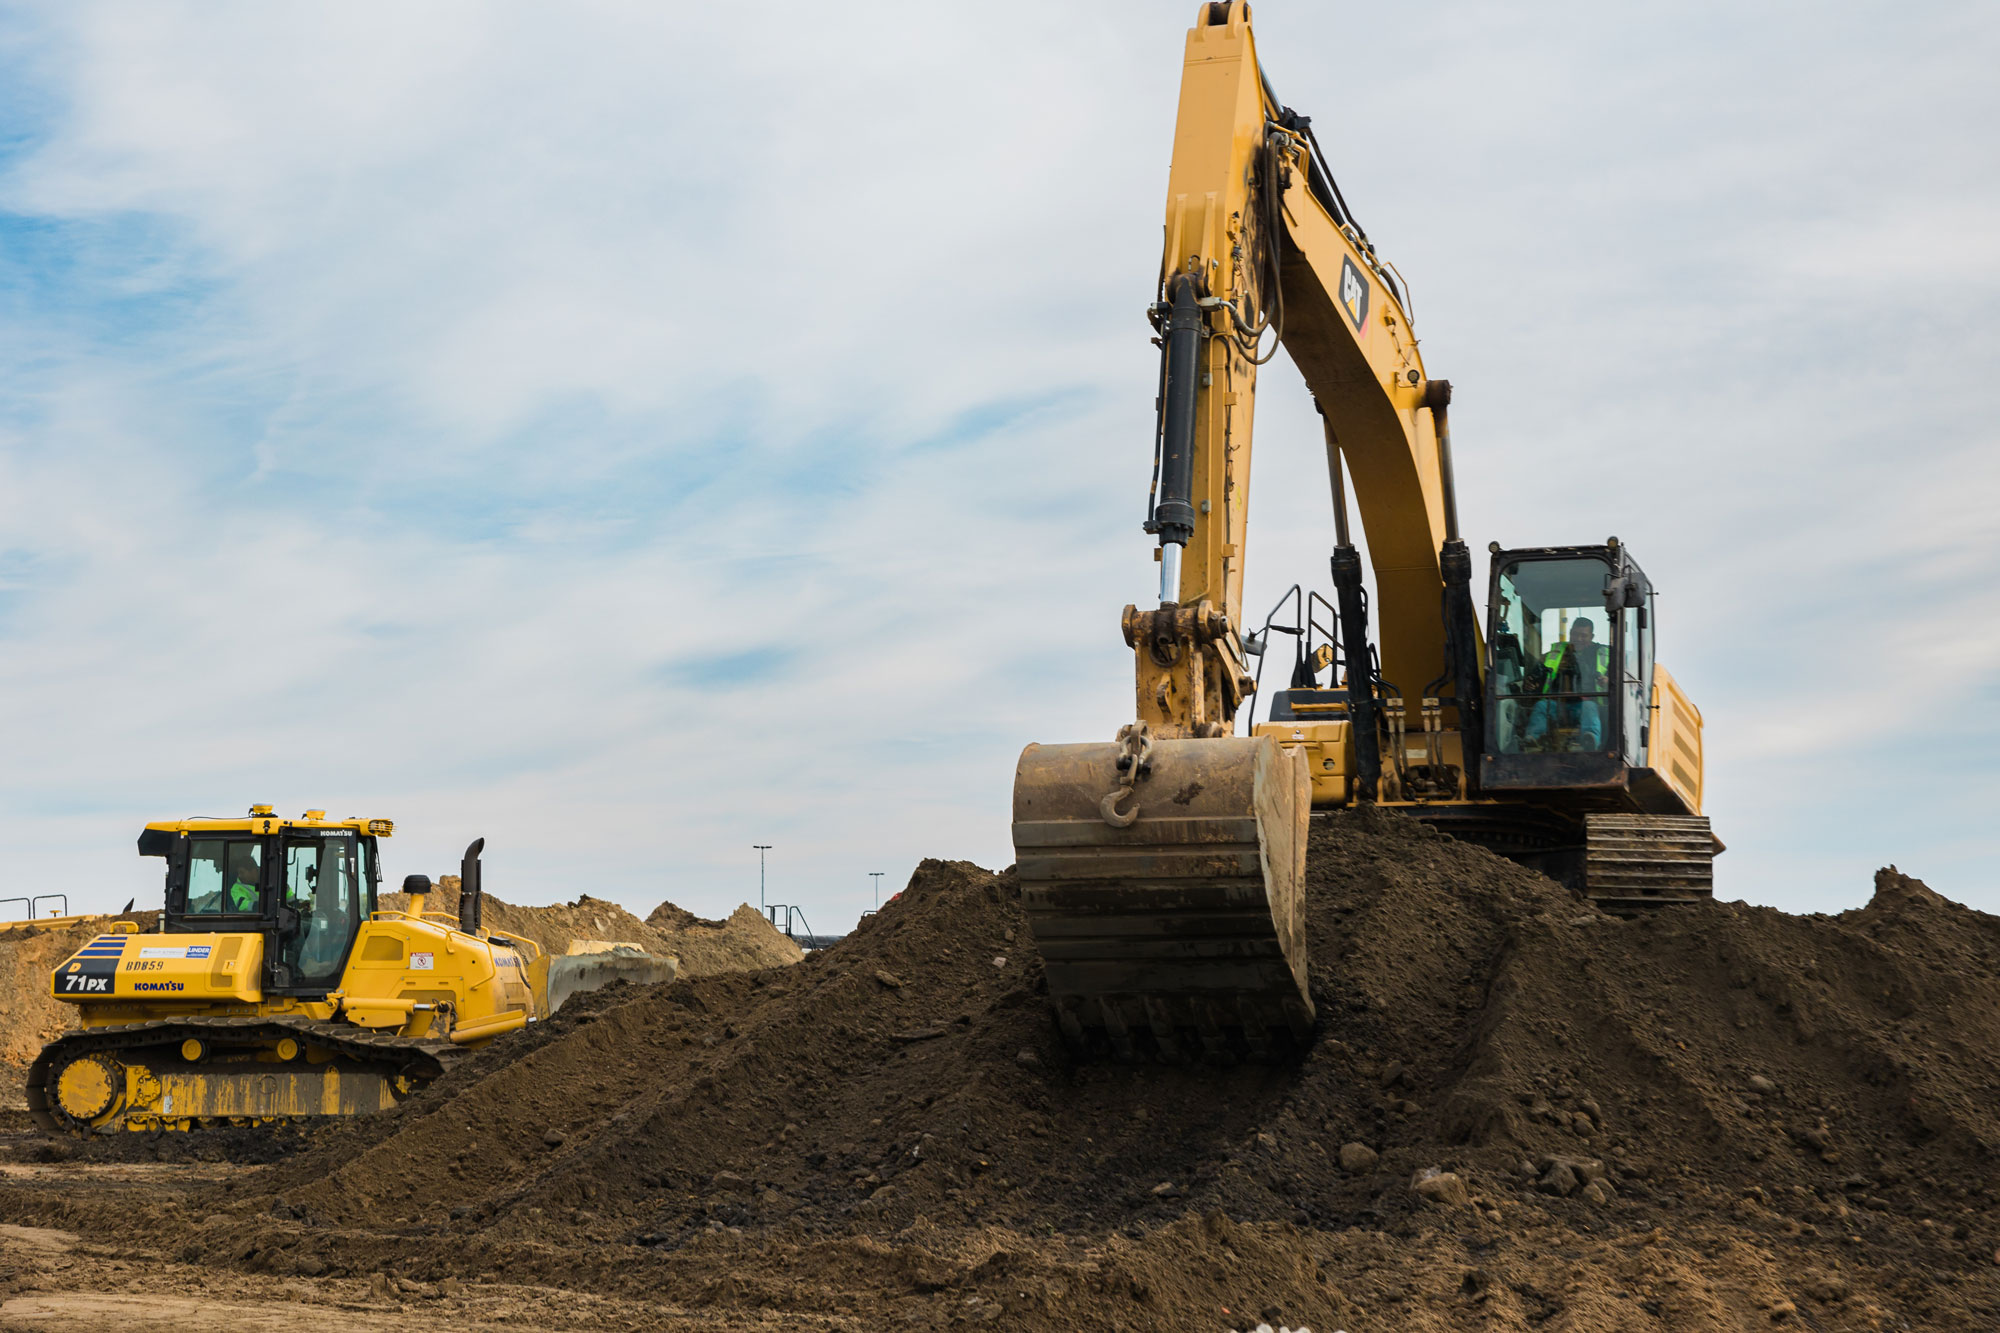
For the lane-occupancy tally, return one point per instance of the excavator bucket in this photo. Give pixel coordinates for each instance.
(569, 974)
(1179, 933)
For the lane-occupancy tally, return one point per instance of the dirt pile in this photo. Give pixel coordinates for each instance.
(1518, 1113)
(741, 942)
(745, 941)
(30, 1016)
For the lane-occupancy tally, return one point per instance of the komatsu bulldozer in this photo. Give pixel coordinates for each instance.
(1162, 871)
(277, 989)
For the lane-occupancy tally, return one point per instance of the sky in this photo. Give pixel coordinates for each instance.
(634, 432)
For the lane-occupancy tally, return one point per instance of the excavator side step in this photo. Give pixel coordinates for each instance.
(1634, 863)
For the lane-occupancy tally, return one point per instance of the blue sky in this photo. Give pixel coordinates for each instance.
(630, 433)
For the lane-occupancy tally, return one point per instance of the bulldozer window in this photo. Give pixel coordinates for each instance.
(223, 876)
(1553, 666)
(321, 886)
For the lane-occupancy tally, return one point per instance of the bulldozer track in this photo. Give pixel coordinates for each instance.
(417, 1059)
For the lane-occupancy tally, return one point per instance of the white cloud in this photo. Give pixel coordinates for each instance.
(446, 380)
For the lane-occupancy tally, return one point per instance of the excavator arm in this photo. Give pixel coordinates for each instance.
(1163, 871)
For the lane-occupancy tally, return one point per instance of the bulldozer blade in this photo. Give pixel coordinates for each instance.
(570, 974)
(1181, 934)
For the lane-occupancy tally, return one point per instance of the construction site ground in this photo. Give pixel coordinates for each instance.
(1518, 1113)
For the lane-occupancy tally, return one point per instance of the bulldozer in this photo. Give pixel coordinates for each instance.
(1163, 871)
(277, 989)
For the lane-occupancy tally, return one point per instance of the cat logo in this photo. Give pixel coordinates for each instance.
(1353, 293)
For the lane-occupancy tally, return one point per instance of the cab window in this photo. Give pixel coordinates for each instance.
(224, 877)
(1552, 659)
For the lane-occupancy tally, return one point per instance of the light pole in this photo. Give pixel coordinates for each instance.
(761, 847)
(876, 875)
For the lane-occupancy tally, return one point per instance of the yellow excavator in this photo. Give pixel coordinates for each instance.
(276, 989)
(1162, 871)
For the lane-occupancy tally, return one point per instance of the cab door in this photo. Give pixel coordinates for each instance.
(1635, 665)
(320, 909)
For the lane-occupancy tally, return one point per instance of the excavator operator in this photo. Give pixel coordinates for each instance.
(1575, 667)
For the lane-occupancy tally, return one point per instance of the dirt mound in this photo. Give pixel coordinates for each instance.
(1518, 1113)
(743, 942)
(30, 1016)
(554, 928)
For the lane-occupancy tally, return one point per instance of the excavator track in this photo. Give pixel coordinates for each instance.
(1633, 863)
(228, 1082)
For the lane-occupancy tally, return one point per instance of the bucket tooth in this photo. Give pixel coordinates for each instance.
(1184, 927)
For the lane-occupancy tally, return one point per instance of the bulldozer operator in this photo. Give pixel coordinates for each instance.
(239, 892)
(1577, 666)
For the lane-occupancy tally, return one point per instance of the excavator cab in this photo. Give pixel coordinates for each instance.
(1581, 722)
(1570, 668)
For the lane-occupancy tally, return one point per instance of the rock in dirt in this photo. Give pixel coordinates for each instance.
(1441, 1187)
(1560, 1180)
(1358, 1157)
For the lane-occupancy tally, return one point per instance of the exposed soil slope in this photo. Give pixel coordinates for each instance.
(30, 1015)
(741, 942)
(1714, 1118)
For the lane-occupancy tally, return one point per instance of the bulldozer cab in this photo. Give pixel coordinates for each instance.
(306, 886)
(1570, 668)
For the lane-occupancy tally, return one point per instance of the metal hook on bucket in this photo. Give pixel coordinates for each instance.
(1135, 764)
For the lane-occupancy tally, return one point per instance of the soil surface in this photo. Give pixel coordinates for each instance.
(30, 1015)
(1518, 1113)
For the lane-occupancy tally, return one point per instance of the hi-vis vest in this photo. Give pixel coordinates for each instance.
(242, 897)
(1553, 660)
